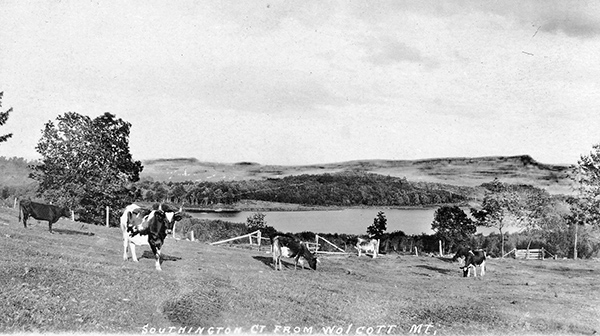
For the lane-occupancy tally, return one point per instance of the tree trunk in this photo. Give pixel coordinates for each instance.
(575, 242)
(502, 245)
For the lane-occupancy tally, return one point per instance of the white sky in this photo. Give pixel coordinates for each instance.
(302, 82)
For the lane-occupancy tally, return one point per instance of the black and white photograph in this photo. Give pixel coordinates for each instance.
(314, 167)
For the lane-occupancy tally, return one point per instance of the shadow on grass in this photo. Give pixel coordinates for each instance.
(73, 232)
(436, 269)
(269, 262)
(164, 257)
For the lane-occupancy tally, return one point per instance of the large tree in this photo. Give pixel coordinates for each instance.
(452, 225)
(3, 119)
(586, 178)
(86, 164)
(499, 208)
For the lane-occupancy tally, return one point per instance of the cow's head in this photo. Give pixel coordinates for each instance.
(158, 223)
(66, 212)
(312, 261)
(173, 217)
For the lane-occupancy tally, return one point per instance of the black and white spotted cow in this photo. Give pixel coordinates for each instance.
(472, 259)
(283, 245)
(147, 227)
(368, 245)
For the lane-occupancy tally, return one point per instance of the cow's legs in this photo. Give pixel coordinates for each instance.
(157, 258)
(125, 243)
(50, 227)
(156, 252)
(482, 268)
(157, 263)
(132, 250)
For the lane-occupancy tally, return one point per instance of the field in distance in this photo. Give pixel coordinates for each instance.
(76, 281)
(454, 171)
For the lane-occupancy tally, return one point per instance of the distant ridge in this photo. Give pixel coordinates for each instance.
(460, 171)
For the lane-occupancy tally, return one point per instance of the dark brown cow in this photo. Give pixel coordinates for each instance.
(288, 246)
(39, 211)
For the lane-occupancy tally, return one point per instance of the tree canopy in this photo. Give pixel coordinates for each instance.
(86, 164)
(498, 208)
(377, 229)
(453, 226)
(3, 119)
(585, 210)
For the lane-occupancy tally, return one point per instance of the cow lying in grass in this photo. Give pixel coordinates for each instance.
(290, 247)
(471, 259)
(368, 245)
(147, 227)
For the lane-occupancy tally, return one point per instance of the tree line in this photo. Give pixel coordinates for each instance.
(562, 225)
(341, 189)
(556, 242)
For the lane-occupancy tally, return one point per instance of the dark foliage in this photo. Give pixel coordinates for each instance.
(344, 189)
(452, 225)
(3, 118)
(86, 165)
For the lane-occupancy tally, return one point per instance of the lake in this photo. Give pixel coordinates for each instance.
(349, 221)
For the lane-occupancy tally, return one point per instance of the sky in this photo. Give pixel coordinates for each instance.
(307, 82)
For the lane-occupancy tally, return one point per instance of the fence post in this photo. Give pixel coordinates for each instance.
(441, 252)
(259, 239)
(107, 215)
(192, 235)
(416, 251)
(543, 252)
(15, 204)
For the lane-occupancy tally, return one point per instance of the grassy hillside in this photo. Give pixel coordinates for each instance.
(454, 171)
(75, 281)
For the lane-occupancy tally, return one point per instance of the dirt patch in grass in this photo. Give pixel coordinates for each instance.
(200, 307)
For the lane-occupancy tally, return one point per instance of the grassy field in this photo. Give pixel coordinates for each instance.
(76, 281)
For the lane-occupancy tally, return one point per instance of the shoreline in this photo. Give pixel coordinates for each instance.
(263, 206)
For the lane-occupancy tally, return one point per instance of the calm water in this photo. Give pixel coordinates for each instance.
(350, 221)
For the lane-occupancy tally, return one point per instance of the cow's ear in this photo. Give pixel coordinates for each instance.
(177, 216)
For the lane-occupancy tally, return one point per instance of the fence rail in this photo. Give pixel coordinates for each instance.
(538, 254)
